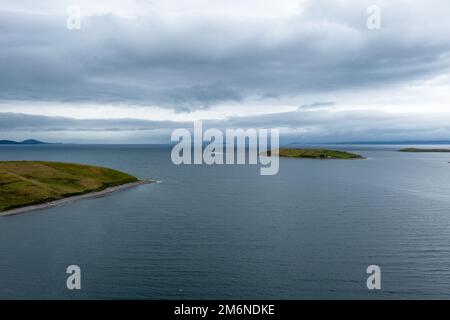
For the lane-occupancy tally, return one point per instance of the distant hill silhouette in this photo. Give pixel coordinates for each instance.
(29, 141)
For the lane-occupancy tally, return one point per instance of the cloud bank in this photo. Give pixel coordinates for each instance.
(220, 59)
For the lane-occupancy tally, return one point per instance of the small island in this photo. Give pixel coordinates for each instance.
(315, 153)
(32, 185)
(423, 150)
(25, 142)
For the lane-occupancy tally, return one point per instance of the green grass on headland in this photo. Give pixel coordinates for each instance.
(316, 154)
(423, 150)
(24, 183)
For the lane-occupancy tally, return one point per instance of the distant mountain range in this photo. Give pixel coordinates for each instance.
(399, 142)
(30, 141)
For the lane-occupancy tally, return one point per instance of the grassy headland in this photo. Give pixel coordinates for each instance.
(316, 154)
(25, 183)
(423, 150)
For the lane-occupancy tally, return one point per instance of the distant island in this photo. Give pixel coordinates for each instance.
(423, 150)
(31, 185)
(315, 154)
(29, 141)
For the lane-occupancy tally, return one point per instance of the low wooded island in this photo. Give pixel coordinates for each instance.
(423, 150)
(34, 185)
(315, 153)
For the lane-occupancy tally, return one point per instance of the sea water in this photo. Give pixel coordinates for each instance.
(223, 232)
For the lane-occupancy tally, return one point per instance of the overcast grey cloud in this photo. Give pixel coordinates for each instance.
(200, 62)
(297, 126)
(311, 55)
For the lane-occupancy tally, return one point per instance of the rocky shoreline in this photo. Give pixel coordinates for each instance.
(68, 200)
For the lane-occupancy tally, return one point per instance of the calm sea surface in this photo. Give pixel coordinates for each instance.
(227, 232)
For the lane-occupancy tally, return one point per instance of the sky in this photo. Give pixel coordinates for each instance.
(136, 70)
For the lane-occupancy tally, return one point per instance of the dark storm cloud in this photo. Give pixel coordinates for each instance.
(197, 63)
